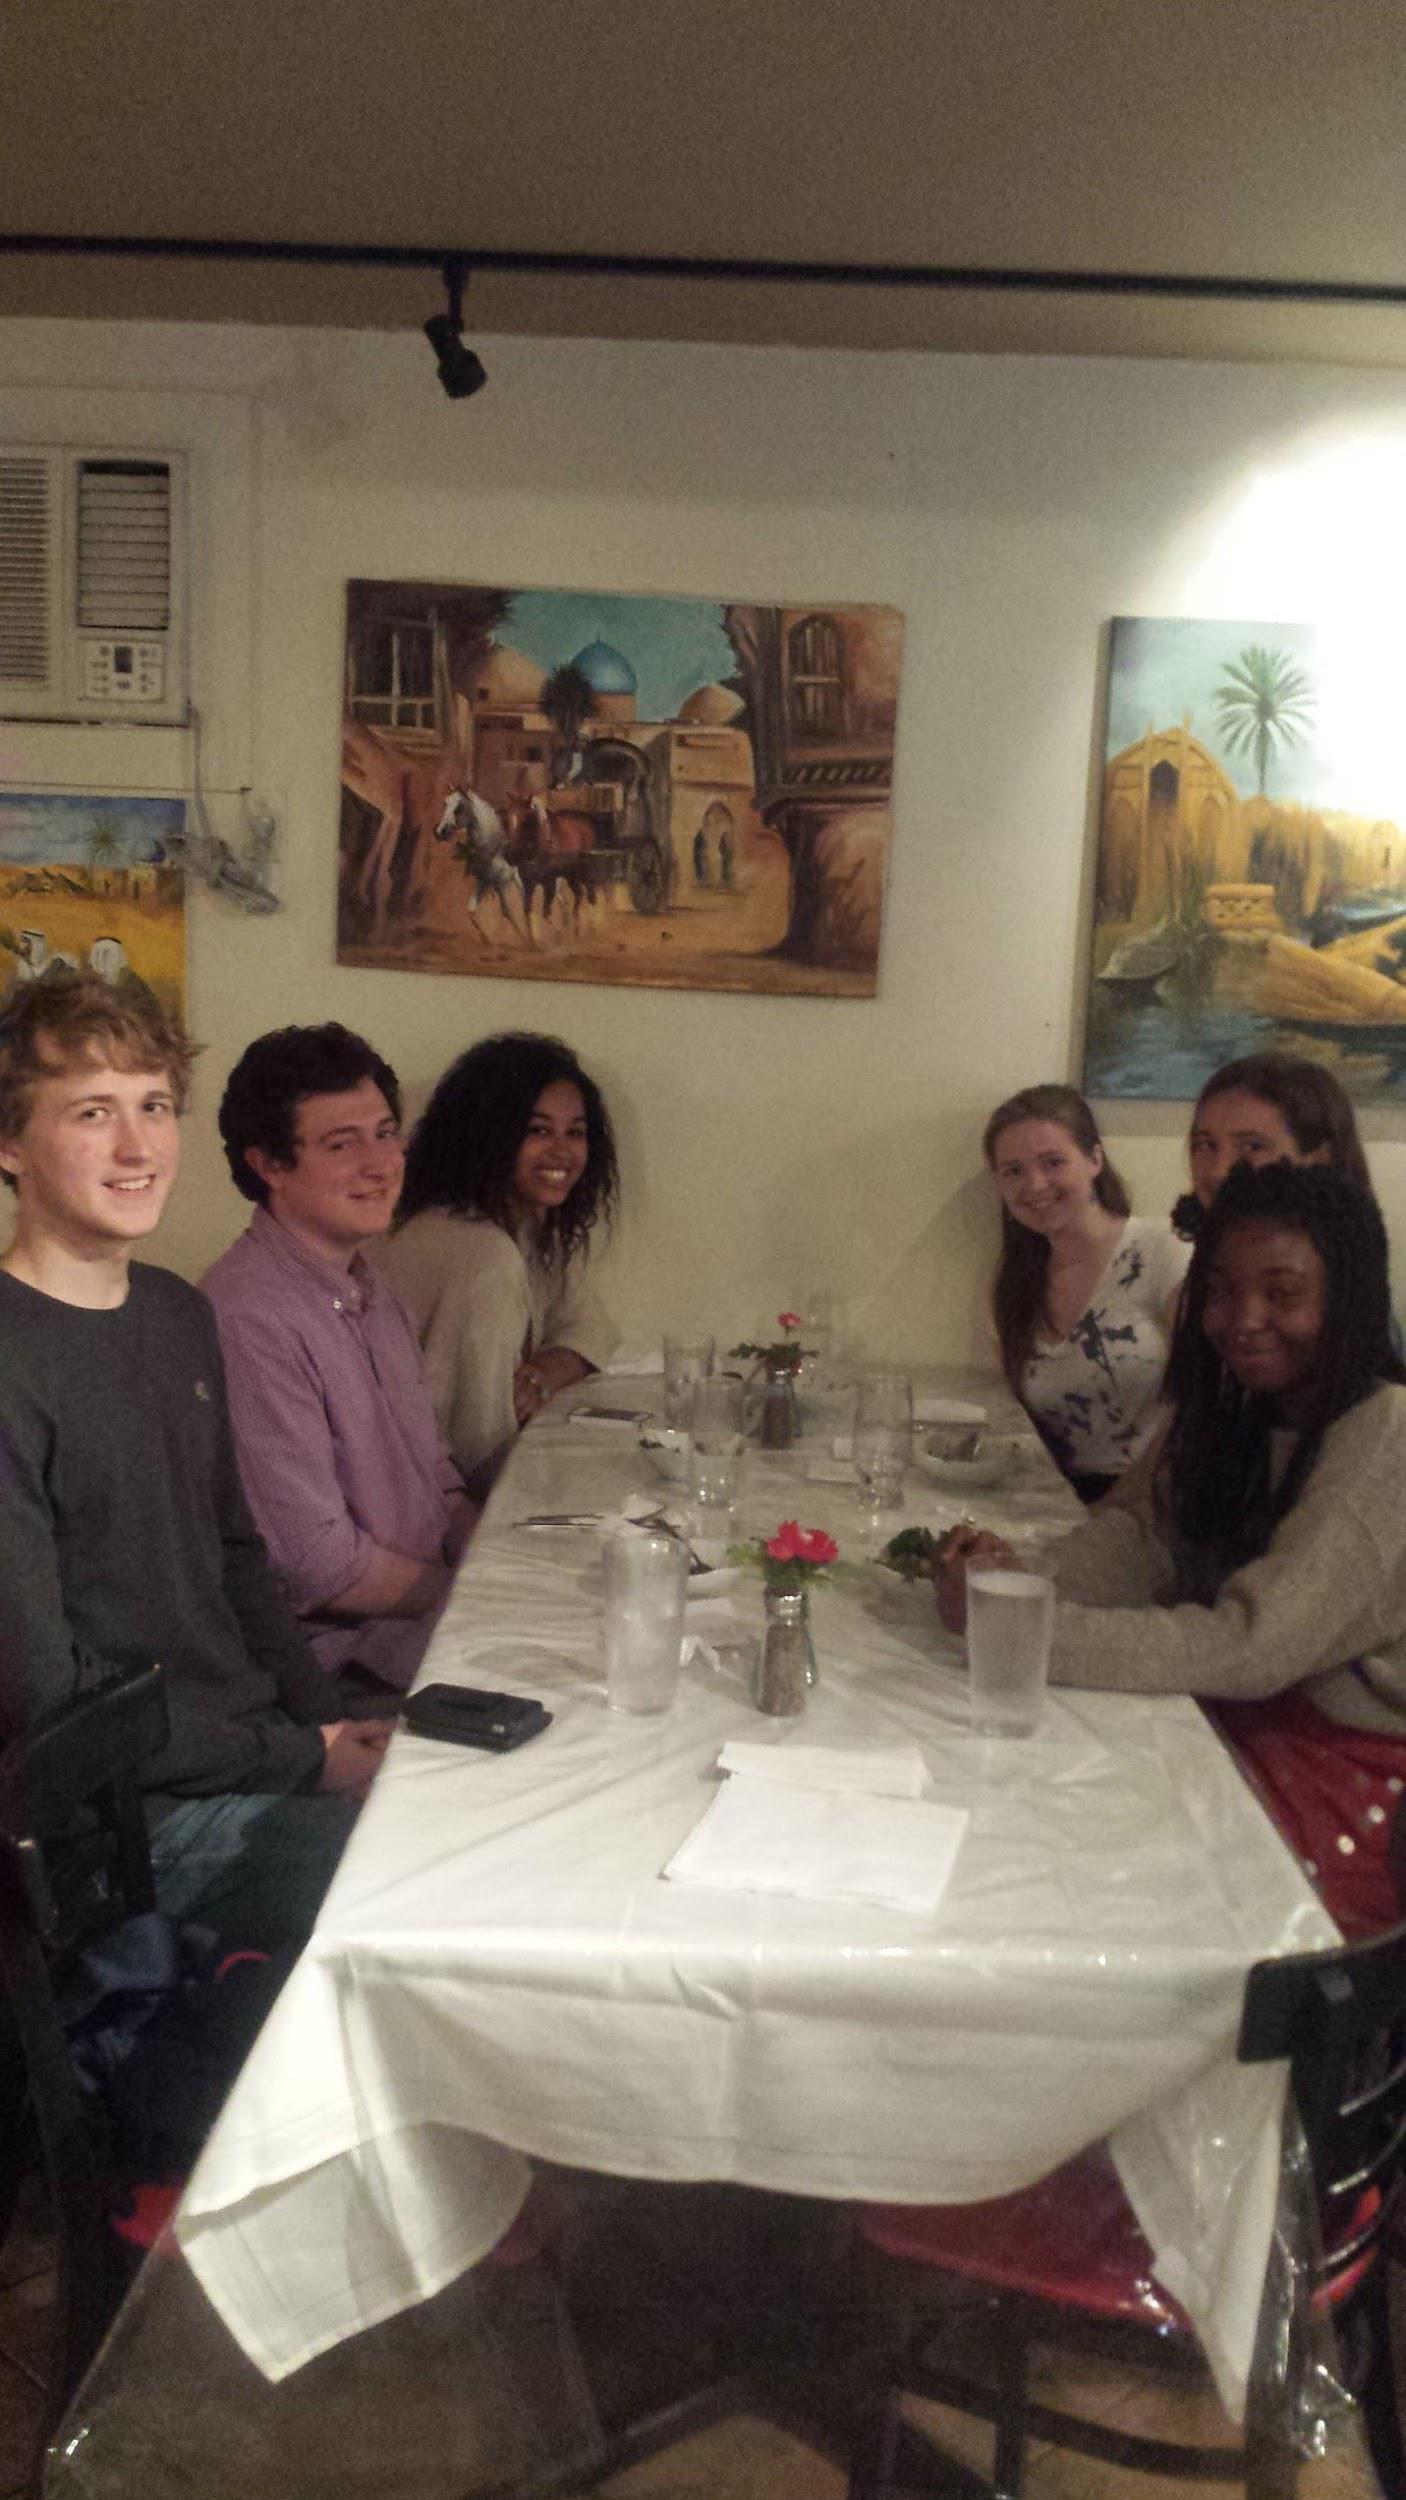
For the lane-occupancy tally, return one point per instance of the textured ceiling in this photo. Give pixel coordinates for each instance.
(1216, 137)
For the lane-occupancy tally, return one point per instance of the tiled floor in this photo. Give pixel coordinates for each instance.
(634, 2349)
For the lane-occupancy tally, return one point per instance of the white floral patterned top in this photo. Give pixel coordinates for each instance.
(1093, 1394)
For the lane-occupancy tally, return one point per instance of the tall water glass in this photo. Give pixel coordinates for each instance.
(883, 1441)
(644, 1578)
(687, 1360)
(1010, 1625)
(716, 1442)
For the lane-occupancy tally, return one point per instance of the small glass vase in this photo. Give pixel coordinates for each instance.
(779, 1423)
(786, 1669)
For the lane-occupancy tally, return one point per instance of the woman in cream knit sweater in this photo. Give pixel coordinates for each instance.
(1262, 1564)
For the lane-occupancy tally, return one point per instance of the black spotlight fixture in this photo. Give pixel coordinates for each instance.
(460, 371)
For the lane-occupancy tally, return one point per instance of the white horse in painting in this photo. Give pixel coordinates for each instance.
(482, 839)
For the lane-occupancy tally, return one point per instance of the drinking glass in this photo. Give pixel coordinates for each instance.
(883, 1441)
(1010, 1625)
(644, 1577)
(717, 1439)
(687, 1360)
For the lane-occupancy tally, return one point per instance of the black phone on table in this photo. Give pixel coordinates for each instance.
(462, 1714)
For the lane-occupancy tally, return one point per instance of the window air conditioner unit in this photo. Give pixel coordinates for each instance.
(92, 584)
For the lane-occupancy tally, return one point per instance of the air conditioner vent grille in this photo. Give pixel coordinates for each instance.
(24, 570)
(124, 546)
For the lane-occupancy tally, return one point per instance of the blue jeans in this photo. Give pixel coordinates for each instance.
(253, 1868)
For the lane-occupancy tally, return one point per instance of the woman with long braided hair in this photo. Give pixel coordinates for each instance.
(1264, 1566)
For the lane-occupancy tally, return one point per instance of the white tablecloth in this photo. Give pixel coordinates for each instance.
(499, 1971)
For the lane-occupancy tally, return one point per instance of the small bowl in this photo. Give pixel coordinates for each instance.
(991, 1463)
(667, 1451)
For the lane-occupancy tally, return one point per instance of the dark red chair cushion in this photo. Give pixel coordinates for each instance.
(1072, 2239)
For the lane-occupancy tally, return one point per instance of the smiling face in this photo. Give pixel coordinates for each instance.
(1045, 1178)
(1237, 1127)
(343, 1183)
(1265, 1298)
(95, 1159)
(554, 1152)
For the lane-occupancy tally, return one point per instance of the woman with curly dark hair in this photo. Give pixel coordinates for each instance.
(1263, 1567)
(509, 1169)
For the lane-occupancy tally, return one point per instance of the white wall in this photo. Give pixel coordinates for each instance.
(1008, 507)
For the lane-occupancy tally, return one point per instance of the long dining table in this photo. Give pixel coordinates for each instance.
(501, 1976)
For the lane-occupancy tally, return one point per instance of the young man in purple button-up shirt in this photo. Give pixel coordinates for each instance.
(360, 1505)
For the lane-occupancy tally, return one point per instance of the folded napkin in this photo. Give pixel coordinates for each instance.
(636, 1366)
(930, 1410)
(864, 1770)
(710, 1625)
(818, 1845)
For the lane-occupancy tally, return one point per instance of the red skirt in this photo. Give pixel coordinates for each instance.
(1333, 1791)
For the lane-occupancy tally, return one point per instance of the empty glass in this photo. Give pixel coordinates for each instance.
(716, 1442)
(644, 1576)
(687, 1360)
(1010, 1625)
(883, 1441)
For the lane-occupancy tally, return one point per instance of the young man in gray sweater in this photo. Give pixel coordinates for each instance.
(124, 1532)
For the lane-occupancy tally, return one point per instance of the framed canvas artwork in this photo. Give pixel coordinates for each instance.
(86, 885)
(1250, 887)
(580, 786)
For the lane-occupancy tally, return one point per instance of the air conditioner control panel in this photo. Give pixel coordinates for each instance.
(123, 672)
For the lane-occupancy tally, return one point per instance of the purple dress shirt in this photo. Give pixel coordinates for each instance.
(335, 1430)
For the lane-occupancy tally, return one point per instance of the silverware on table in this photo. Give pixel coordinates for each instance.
(561, 1519)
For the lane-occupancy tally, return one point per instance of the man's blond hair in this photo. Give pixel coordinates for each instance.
(63, 1019)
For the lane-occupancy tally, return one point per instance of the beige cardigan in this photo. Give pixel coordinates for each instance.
(1324, 1607)
(480, 1302)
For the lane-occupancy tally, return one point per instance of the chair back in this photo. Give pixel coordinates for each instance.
(74, 1866)
(1340, 2020)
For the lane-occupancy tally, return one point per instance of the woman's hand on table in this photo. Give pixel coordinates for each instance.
(352, 1751)
(960, 1548)
(539, 1376)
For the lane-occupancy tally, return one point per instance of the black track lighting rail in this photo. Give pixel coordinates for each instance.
(920, 275)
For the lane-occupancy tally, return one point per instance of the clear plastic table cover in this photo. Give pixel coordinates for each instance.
(515, 2380)
(500, 1976)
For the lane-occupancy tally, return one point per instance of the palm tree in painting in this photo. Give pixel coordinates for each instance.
(568, 699)
(1264, 701)
(105, 848)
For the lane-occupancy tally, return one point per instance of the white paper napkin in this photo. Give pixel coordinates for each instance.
(710, 1625)
(641, 1365)
(759, 1836)
(863, 1770)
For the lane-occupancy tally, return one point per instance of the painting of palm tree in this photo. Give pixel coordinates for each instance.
(1250, 891)
(1263, 702)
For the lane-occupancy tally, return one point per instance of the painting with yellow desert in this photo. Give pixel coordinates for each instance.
(1251, 880)
(581, 786)
(91, 884)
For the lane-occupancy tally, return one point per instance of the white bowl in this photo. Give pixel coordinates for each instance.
(991, 1465)
(666, 1449)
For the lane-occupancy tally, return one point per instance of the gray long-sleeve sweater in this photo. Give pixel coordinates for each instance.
(125, 1537)
(1323, 1608)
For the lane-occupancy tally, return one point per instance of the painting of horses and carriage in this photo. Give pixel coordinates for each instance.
(579, 786)
(1250, 891)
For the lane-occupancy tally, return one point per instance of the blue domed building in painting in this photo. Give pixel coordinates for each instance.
(611, 679)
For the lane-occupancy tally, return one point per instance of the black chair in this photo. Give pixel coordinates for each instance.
(74, 1867)
(1064, 2263)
